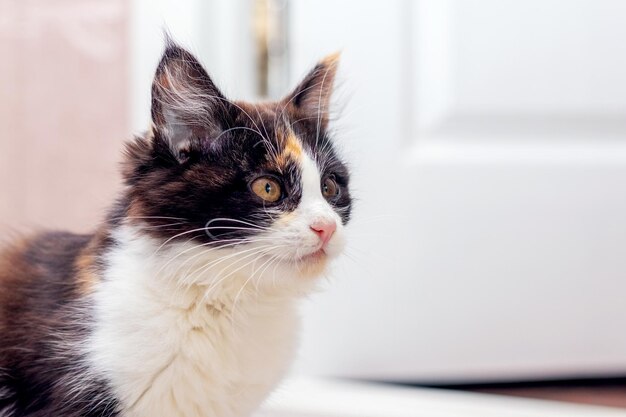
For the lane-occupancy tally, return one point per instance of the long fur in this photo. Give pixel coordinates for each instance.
(183, 301)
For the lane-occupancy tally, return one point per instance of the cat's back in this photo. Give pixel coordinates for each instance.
(39, 287)
(38, 274)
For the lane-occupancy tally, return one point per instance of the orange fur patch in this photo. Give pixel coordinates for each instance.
(11, 257)
(292, 150)
(293, 146)
(85, 276)
(331, 60)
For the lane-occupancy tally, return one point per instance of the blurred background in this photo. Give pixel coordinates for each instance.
(486, 139)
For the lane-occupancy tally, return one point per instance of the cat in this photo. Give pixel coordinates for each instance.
(183, 301)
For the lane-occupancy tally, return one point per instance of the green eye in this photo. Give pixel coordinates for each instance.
(330, 188)
(268, 189)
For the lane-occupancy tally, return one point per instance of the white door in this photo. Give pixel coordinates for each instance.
(487, 140)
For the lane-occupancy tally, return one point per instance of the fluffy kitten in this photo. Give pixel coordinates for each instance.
(182, 301)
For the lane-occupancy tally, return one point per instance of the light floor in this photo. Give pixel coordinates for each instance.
(326, 398)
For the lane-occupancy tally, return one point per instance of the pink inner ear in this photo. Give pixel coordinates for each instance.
(312, 96)
(186, 104)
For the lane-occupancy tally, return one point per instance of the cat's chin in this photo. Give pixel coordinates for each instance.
(313, 264)
(315, 257)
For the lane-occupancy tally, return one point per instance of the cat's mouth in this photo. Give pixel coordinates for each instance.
(308, 264)
(314, 257)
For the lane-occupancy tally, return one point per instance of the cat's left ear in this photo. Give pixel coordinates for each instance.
(186, 104)
(311, 98)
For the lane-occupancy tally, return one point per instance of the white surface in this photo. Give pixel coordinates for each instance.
(319, 398)
(487, 144)
(504, 67)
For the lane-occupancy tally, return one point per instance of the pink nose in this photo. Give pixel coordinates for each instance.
(324, 229)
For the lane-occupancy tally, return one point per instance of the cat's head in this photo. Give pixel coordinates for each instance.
(262, 182)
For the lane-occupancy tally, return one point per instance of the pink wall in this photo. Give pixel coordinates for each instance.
(63, 110)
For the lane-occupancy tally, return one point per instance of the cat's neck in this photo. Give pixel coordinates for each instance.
(190, 274)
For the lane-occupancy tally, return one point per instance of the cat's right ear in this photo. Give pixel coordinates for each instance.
(186, 104)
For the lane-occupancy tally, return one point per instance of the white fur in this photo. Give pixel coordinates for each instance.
(187, 330)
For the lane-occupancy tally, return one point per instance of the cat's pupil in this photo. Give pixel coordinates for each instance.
(268, 188)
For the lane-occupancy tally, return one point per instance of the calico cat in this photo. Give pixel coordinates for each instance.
(182, 302)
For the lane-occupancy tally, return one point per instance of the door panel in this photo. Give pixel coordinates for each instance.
(502, 70)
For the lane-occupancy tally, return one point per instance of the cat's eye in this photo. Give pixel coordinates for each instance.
(267, 188)
(330, 189)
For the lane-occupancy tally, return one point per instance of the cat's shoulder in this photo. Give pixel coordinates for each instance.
(39, 248)
(41, 268)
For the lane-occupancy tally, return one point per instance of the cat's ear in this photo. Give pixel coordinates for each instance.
(186, 104)
(311, 98)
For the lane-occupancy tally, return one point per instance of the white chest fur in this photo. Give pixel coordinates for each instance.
(169, 351)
